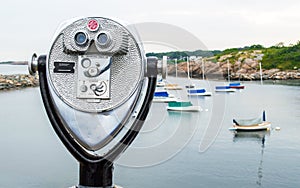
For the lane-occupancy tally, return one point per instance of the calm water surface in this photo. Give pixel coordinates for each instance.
(13, 69)
(33, 156)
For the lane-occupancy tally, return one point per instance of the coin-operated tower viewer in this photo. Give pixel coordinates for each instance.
(93, 79)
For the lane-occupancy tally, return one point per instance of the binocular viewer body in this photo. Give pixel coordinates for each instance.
(96, 71)
(94, 77)
(96, 81)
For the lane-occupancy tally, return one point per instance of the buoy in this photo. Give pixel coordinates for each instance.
(277, 128)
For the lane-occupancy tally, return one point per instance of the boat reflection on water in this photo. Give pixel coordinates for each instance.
(183, 120)
(181, 116)
(260, 138)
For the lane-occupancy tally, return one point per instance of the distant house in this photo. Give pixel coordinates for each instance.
(193, 58)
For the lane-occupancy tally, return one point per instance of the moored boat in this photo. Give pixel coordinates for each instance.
(224, 89)
(172, 87)
(190, 86)
(163, 96)
(254, 127)
(186, 106)
(236, 85)
(254, 124)
(160, 84)
(198, 92)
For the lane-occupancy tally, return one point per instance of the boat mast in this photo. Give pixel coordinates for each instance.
(165, 62)
(202, 61)
(176, 67)
(188, 66)
(228, 70)
(260, 72)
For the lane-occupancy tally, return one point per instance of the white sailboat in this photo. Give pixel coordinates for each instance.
(163, 96)
(224, 89)
(198, 92)
(253, 124)
(185, 106)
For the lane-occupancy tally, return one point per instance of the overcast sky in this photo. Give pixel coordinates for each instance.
(28, 26)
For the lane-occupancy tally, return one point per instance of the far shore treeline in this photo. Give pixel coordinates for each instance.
(14, 62)
(278, 56)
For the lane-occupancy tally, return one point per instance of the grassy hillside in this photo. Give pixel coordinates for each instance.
(284, 58)
(279, 56)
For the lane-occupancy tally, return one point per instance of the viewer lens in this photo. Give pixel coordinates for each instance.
(102, 38)
(81, 38)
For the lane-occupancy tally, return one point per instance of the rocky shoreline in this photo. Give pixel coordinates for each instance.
(17, 81)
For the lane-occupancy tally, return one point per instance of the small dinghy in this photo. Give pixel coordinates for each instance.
(254, 124)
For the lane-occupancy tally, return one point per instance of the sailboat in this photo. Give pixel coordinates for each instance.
(190, 86)
(224, 89)
(172, 87)
(236, 85)
(163, 96)
(193, 91)
(160, 83)
(186, 106)
(198, 92)
(254, 124)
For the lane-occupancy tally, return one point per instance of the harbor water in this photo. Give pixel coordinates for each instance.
(173, 149)
(7, 69)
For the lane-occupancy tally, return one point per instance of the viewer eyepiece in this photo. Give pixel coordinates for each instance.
(103, 39)
(81, 38)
